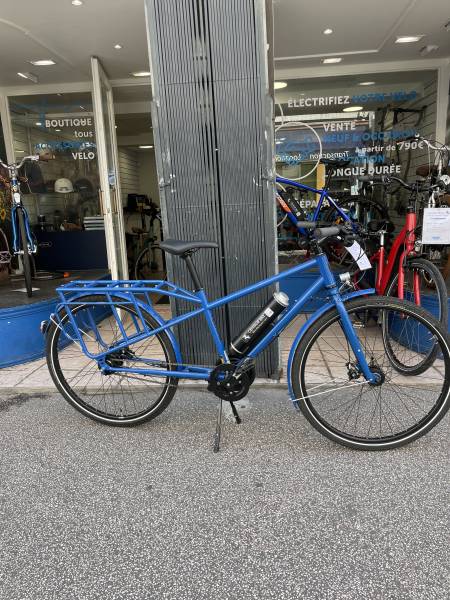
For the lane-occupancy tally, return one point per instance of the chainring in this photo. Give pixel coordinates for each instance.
(224, 383)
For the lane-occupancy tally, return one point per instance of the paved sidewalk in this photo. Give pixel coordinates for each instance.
(34, 376)
(93, 512)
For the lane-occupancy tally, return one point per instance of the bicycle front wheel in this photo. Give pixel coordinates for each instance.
(116, 398)
(339, 402)
(26, 255)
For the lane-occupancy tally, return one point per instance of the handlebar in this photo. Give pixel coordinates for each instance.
(419, 138)
(19, 164)
(324, 231)
(388, 179)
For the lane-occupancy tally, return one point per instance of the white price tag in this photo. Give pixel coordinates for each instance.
(359, 256)
(436, 226)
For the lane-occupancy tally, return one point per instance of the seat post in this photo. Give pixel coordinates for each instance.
(193, 271)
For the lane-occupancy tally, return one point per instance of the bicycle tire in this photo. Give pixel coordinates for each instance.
(139, 272)
(55, 349)
(27, 272)
(424, 266)
(314, 411)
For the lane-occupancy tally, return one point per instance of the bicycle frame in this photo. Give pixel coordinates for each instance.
(123, 292)
(323, 194)
(406, 239)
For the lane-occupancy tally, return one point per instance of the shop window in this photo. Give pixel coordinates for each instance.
(61, 193)
(354, 119)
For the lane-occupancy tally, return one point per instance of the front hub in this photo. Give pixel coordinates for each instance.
(380, 377)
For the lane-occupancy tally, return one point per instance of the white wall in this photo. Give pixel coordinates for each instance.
(147, 175)
(129, 173)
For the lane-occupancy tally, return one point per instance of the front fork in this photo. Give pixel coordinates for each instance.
(353, 340)
(16, 234)
(347, 325)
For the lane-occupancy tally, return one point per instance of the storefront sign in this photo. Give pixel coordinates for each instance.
(347, 100)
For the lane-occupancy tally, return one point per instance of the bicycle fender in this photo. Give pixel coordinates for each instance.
(319, 312)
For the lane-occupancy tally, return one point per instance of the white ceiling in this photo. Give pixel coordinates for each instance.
(364, 32)
(37, 29)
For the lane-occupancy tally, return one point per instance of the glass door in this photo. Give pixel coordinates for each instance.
(109, 172)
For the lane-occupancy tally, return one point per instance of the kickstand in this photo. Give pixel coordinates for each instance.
(236, 416)
(218, 428)
(237, 419)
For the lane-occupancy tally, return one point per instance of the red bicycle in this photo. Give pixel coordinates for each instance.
(403, 271)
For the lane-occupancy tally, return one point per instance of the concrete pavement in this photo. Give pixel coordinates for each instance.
(92, 512)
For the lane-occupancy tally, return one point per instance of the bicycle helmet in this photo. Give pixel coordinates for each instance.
(63, 186)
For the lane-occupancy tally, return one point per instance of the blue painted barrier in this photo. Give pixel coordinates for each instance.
(20, 337)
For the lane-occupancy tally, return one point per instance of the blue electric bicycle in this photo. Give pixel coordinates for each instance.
(359, 369)
(24, 243)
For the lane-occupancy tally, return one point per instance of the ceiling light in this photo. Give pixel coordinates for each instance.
(29, 76)
(77, 2)
(145, 147)
(331, 61)
(141, 73)
(117, 46)
(427, 49)
(408, 39)
(352, 109)
(57, 129)
(19, 151)
(366, 83)
(279, 85)
(327, 31)
(47, 62)
(39, 124)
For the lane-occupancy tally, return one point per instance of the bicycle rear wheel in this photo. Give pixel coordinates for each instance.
(26, 260)
(114, 398)
(432, 297)
(336, 398)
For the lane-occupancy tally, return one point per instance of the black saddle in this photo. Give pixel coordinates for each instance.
(335, 163)
(180, 247)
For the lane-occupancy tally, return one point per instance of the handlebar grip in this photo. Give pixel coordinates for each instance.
(323, 232)
(374, 178)
(306, 224)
